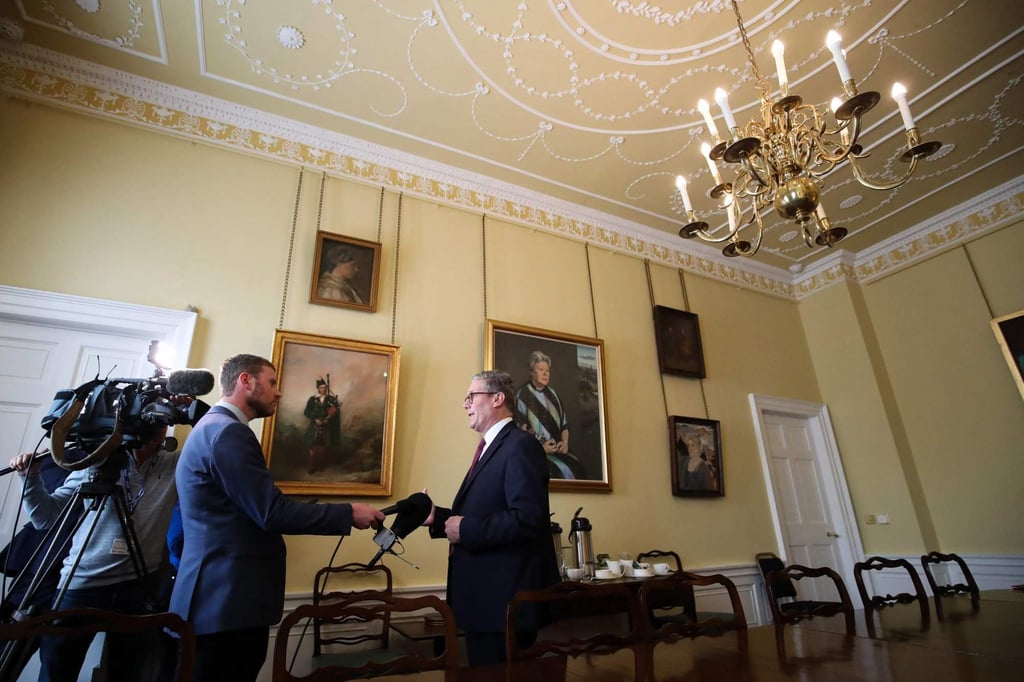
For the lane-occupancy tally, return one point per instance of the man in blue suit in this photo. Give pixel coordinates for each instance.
(230, 582)
(498, 526)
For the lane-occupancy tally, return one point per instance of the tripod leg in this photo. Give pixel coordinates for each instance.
(81, 552)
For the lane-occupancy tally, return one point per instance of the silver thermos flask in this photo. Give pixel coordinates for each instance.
(579, 536)
(556, 539)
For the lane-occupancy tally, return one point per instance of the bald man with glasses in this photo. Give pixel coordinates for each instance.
(498, 525)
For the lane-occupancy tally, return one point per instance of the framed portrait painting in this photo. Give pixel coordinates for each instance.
(1009, 330)
(346, 271)
(334, 429)
(696, 446)
(560, 399)
(677, 334)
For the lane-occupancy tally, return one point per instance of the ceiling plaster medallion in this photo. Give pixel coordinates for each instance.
(90, 6)
(850, 202)
(290, 37)
(944, 150)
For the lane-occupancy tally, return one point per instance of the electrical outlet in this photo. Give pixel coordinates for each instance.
(870, 519)
(882, 519)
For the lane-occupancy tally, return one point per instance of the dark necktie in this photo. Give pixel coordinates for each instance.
(476, 457)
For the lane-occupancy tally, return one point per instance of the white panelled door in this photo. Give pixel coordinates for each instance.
(49, 342)
(813, 515)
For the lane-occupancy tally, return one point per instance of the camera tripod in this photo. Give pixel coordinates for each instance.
(93, 497)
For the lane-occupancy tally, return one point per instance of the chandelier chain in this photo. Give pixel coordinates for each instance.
(761, 84)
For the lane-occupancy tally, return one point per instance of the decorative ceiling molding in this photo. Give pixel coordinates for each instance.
(47, 76)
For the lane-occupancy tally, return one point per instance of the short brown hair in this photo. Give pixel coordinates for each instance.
(233, 367)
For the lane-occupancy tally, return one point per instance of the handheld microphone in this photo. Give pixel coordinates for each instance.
(190, 381)
(411, 513)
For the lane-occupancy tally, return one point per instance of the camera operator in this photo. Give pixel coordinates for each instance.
(105, 577)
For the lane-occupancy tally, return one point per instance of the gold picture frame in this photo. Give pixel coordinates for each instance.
(1009, 331)
(575, 392)
(313, 450)
(346, 272)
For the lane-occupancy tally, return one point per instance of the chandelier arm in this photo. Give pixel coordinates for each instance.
(863, 179)
(752, 172)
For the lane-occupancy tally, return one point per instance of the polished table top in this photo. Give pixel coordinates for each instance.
(964, 645)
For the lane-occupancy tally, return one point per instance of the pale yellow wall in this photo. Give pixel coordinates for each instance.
(870, 436)
(963, 415)
(105, 210)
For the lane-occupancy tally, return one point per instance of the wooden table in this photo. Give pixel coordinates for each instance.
(965, 645)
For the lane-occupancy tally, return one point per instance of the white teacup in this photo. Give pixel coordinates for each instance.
(661, 569)
(605, 574)
(642, 573)
(575, 573)
(614, 566)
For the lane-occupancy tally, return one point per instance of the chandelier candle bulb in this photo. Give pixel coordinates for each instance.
(779, 51)
(705, 109)
(835, 43)
(705, 150)
(681, 186)
(899, 93)
(722, 98)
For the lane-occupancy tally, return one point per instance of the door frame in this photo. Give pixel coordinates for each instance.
(829, 464)
(98, 316)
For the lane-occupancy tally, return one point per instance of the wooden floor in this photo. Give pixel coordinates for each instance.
(895, 645)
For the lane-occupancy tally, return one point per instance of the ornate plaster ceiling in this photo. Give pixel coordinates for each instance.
(590, 102)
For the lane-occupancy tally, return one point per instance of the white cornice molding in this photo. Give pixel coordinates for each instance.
(55, 78)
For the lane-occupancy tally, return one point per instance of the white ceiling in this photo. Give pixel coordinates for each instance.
(591, 102)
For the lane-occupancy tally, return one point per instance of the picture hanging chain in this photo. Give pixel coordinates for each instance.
(686, 304)
(291, 248)
(483, 238)
(590, 287)
(320, 206)
(650, 297)
(380, 212)
(682, 287)
(398, 245)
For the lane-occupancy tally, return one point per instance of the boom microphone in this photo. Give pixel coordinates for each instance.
(190, 381)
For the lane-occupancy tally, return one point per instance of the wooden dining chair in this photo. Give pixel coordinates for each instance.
(577, 630)
(371, 662)
(70, 622)
(654, 556)
(682, 609)
(677, 589)
(948, 588)
(876, 602)
(779, 584)
(349, 582)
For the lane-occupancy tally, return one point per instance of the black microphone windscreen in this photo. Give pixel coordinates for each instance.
(412, 512)
(190, 381)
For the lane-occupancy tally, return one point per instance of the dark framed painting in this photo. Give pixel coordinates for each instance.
(696, 446)
(560, 399)
(334, 429)
(677, 334)
(346, 271)
(1009, 330)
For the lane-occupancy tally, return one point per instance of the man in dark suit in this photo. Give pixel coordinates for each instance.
(498, 526)
(230, 582)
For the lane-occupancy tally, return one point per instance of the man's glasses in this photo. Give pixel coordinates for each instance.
(469, 396)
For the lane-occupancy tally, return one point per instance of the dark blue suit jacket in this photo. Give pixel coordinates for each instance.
(505, 538)
(233, 562)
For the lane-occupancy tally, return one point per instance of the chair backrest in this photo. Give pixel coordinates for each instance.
(769, 562)
(350, 582)
(878, 563)
(676, 589)
(947, 588)
(654, 556)
(378, 610)
(567, 600)
(70, 622)
(782, 578)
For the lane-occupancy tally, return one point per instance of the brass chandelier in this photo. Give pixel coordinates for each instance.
(782, 153)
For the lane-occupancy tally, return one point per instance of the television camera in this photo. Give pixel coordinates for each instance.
(102, 415)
